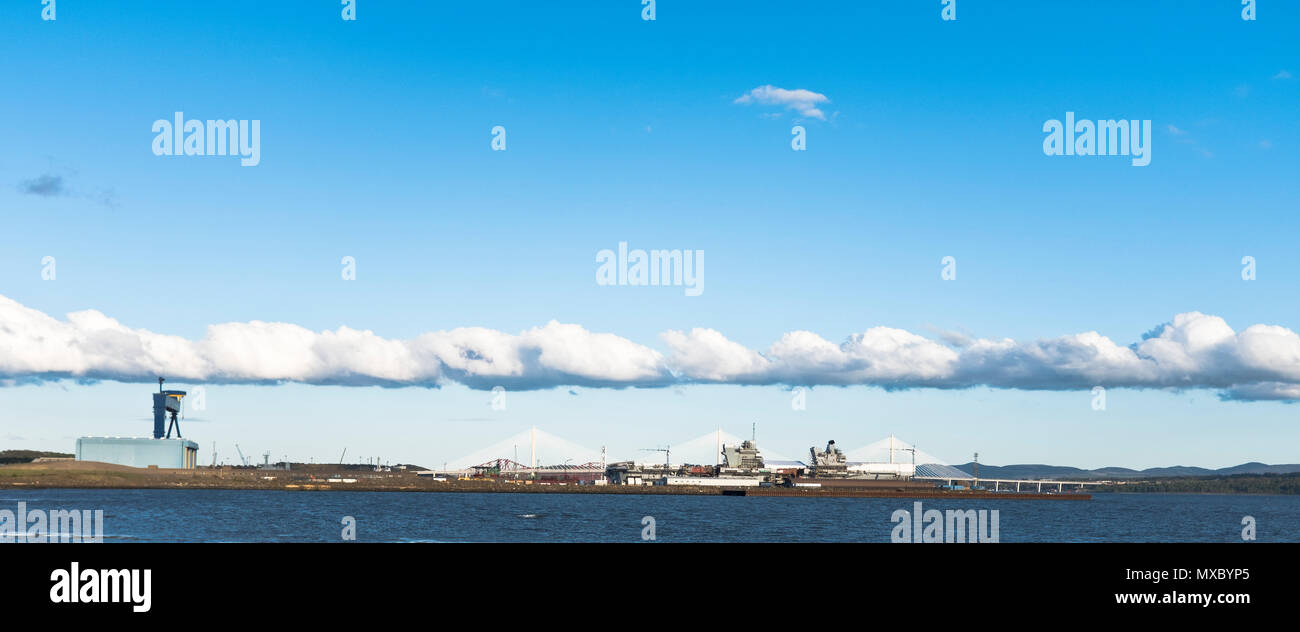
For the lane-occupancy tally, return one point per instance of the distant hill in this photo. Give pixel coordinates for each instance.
(1260, 468)
(27, 456)
(1040, 471)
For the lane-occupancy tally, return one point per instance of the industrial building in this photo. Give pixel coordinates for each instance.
(160, 451)
(139, 451)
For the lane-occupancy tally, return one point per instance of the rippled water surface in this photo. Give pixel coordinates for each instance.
(283, 516)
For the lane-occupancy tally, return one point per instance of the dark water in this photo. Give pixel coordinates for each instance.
(277, 516)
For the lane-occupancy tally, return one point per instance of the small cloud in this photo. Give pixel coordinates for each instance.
(1266, 144)
(802, 101)
(1283, 74)
(105, 197)
(1182, 137)
(47, 185)
(50, 185)
(1242, 91)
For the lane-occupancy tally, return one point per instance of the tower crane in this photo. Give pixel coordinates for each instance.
(668, 459)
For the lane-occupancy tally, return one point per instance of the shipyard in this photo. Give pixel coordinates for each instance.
(887, 468)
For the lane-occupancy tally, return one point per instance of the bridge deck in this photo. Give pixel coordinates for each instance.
(1021, 481)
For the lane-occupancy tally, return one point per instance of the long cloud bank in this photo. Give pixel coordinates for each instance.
(1193, 351)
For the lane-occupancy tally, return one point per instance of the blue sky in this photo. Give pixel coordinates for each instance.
(375, 144)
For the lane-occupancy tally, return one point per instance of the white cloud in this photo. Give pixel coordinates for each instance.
(706, 355)
(804, 102)
(91, 345)
(1192, 351)
(1282, 74)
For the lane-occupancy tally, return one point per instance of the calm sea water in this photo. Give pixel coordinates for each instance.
(277, 516)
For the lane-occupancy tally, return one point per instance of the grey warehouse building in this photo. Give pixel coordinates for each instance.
(139, 451)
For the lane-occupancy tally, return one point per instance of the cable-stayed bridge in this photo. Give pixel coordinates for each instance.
(891, 450)
(530, 449)
(705, 449)
(537, 449)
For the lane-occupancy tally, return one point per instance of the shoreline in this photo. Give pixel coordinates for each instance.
(90, 476)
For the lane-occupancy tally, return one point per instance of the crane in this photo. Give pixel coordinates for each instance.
(242, 458)
(345, 453)
(668, 455)
(913, 451)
